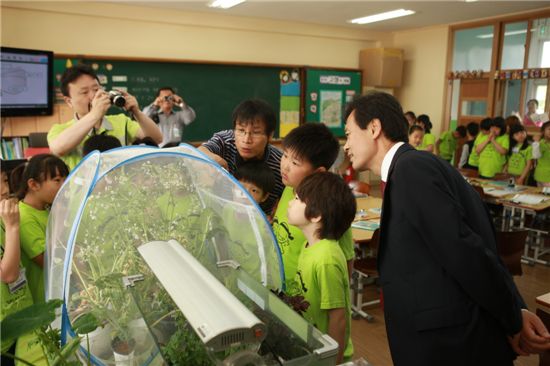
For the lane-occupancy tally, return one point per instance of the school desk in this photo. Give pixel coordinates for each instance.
(520, 205)
(368, 210)
(544, 300)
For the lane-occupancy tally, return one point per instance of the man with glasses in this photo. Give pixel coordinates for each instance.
(253, 126)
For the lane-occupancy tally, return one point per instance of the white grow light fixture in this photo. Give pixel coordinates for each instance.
(217, 316)
(225, 4)
(382, 16)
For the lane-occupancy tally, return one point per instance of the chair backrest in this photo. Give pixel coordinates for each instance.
(502, 176)
(469, 173)
(480, 191)
(545, 356)
(510, 248)
(375, 241)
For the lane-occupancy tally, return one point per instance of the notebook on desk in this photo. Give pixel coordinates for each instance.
(365, 225)
(529, 199)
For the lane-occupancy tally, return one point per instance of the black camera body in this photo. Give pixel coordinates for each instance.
(169, 98)
(117, 98)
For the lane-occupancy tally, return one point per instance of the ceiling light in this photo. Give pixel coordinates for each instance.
(382, 16)
(225, 4)
(509, 33)
(470, 1)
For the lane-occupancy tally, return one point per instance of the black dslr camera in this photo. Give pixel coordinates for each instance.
(117, 98)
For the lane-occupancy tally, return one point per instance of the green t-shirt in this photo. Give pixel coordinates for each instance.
(290, 238)
(19, 297)
(118, 125)
(473, 159)
(447, 146)
(519, 159)
(32, 230)
(322, 279)
(428, 140)
(542, 171)
(490, 161)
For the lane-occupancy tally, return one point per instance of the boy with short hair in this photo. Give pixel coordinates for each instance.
(482, 136)
(257, 178)
(307, 149)
(446, 145)
(323, 208)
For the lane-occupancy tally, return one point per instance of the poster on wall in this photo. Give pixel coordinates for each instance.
(289, 113)
(326, 94)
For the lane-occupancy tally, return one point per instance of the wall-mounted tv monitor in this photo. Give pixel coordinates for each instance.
(27, 82)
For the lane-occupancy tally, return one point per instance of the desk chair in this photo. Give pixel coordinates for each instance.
(364, 273)
(545, 317)
(469, 173)
(510, 248)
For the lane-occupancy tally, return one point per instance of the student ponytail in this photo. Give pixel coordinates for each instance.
(40, 168)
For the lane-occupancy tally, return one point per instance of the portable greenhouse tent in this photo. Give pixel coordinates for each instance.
(112, 206)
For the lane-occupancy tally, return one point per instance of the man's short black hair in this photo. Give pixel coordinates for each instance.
(486, 124)
(461, 131)
(327, 195)
(165, 88)
(72, 73)
(252, 110)
(100, 142)
(257, 173)
(314, 143)
(472, 128)
(386, 109)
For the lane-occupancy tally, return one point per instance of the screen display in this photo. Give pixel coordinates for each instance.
(26, 84)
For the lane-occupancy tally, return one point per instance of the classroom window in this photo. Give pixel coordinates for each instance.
(513, 45)
(473, 48)
(474, 108)
(512, 97)
(539, 47)
(536, 89)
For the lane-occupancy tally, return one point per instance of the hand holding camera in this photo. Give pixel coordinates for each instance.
(101, 103)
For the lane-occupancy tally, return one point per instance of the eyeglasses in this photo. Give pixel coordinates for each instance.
(241, 132)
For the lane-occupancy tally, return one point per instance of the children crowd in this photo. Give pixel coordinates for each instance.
(311, 210)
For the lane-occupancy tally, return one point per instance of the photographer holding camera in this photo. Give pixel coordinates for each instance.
(89, 102)
(171, 122)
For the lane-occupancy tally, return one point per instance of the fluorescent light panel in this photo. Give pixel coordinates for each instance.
(382, 16)
(225, 4)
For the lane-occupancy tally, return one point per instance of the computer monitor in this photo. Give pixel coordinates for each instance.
(27, 82)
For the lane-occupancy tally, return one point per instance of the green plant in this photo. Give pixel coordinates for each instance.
(37, 318)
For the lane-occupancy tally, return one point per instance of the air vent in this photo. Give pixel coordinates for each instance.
(232, 338)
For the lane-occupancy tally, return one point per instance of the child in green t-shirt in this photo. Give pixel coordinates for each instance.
(541, 152)
(428, 141)
(446, 144)
(416, 135)
(36, 185)
(307, 149)
(324, 208)
(484, 128)
(257, 178)
(14, 290)
(493, 149)
(520, 155)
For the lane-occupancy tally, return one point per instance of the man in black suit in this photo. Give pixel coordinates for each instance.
(448, 300)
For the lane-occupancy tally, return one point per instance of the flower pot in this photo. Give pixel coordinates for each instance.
(123, 352)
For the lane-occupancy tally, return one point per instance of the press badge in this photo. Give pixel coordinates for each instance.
(18, 283)
(177, 132)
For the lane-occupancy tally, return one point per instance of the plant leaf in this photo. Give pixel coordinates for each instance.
(67, 351)
(28, 319)
(85, 323)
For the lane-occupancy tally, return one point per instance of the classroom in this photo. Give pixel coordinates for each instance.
(244, 89)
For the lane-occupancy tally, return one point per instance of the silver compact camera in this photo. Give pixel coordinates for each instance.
(117, 98)
(169, 98)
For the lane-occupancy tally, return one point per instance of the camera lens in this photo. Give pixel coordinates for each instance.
(117, 98)
(168, 98)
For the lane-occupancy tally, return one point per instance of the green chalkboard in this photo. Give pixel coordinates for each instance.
(213, 90)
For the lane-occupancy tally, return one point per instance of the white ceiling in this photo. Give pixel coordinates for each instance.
(337, 13)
